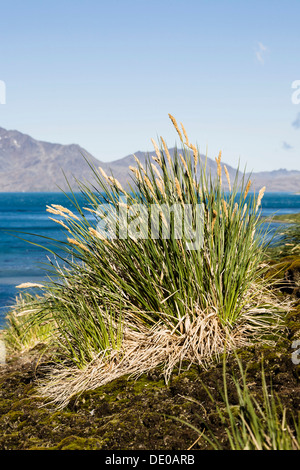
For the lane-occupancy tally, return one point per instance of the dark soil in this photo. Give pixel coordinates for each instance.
(141, 414)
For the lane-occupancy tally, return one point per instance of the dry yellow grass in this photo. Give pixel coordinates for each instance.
(77, 243)
(247, 189)
(160, 186)
(178, 189)
(225, 208)
(158, 154)
(259, 198)
(62, 211)
(176, 127)
(60, 222)
(97, 234)
(167, 153)
(26, 285)
(196, 339)
(219, 167)
(185, 134)
(227, 177)
(116, 184)
(184, 163)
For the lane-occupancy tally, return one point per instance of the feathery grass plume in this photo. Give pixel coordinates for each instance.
(103, 173)
(155, 169)
(149, 185)
(227, 177)
(244, 211)
(97, 234)
(93, 211)
(26, 285)
(219, 167)
(55, 211)
(60, 222)
(66, 210)
(158, 154)
(60, 210)
(247, 189)
(160, 185)
(77, 243)
(138, 175)
(178, 189)
(116, 184)
(167, 152)
(139, 164)
(195, 154)
(184, 163)
(185, 134)
(235, 209)
(214, 216)
(259, 197)
(136, 172)
(157, 160)
(225, 208)
(176, 127)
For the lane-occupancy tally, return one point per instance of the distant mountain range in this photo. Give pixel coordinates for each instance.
(29, 165)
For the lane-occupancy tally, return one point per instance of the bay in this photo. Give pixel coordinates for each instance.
(21, 261)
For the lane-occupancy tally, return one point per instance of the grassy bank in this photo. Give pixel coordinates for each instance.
(288, 243)
(140, 298)
(287, 218)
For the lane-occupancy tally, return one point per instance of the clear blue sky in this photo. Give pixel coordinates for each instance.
(105, 75)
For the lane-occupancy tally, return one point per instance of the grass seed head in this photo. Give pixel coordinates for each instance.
(184, 163)
(227, 177)
(60, 222)
(160, 185)
(77, 243)
(247, 189)
(225, 208)
(236, 206)
(178, 189)
(185, 134)
(259, 198)
(219, 167)
(158, 154)
(167, 152)
(26, 285)
(116, 184)
(195, 154)
(103, 173)
(97, 234)
(176, 127)
(155, 169)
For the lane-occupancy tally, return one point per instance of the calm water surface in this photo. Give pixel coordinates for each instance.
(21, 261)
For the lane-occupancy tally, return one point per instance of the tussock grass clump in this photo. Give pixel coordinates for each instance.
(133, 294)
(23, 332)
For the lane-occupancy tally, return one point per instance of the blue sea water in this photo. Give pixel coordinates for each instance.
(21, 261)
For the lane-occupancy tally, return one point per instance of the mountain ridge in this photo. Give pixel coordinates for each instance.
(30, 165)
